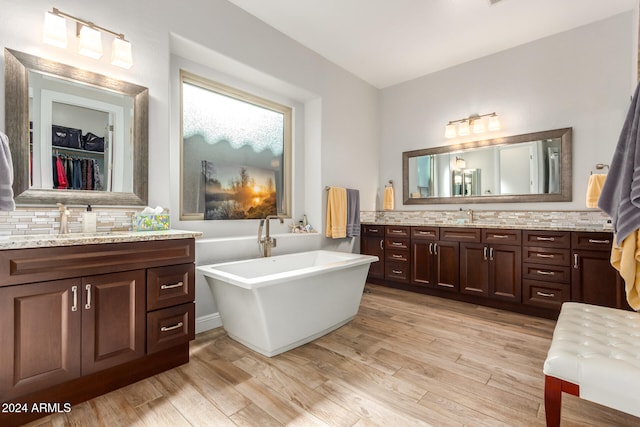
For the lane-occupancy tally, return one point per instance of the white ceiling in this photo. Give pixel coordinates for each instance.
(386, 42)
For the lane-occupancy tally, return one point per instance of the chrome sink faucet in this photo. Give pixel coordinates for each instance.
(64, 219)
(470, 215)
(266, 243)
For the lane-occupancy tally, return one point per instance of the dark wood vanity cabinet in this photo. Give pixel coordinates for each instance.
(492, 267)
(434, 262)
(397, 259)
(593, 280)
(546, 268)
(64, 329)
(532, 271)
(91, 328)
(372, 243)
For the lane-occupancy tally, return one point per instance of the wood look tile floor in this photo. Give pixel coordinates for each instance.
(405, 360)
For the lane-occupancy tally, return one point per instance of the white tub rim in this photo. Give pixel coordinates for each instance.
(348, 260)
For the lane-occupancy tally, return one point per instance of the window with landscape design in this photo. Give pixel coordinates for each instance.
(235, 153)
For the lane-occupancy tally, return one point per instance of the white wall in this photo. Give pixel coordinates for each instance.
(580, 79)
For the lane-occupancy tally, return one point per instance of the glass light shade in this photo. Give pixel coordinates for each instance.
(460, 163)
(121, 53)
(450, 131)
(463, 128)
(494, 122)
(55, 30)
(90, 42)
(478, 125)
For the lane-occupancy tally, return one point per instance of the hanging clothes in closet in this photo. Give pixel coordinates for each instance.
(75, 173)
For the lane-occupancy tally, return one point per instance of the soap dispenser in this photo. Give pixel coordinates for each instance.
(89, 221)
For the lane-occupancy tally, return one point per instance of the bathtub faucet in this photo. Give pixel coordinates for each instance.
(266, 243)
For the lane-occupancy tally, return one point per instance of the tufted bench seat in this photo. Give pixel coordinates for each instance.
(594, 354)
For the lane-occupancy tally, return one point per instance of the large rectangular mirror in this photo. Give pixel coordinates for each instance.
(76, 137)
(534, 167)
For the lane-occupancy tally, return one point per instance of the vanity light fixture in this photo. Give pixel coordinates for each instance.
(460, 163)
(475, 124)
(90, 34)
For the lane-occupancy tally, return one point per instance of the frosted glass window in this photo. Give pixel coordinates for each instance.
(235, 153)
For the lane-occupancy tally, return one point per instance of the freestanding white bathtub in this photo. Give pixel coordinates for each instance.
(274, 304)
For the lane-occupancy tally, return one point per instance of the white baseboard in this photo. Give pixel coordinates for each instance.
(210, 321)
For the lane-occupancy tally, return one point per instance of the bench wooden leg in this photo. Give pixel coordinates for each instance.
(553, 388)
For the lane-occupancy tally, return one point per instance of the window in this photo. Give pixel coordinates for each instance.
(236, 153)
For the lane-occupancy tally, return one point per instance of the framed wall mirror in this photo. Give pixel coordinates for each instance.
(76, 137)
(534, 167)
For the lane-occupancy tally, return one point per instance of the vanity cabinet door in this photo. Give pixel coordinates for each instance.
(39, 337)
(113, 319)
(505, 272)
(474, 269)
(372, 243)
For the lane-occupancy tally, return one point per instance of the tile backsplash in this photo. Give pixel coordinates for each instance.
(46, 220)
(568, 219)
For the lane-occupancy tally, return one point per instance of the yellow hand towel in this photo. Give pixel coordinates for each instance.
(337, 213)
(625, 259)
(387, 200)
(594, 188)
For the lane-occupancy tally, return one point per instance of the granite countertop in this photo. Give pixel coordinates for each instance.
(73, 239)
(535, 226)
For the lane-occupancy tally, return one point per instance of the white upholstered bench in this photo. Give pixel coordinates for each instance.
(594, 354)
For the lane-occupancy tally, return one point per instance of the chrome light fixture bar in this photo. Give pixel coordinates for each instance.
(55, 33)
(475, 124)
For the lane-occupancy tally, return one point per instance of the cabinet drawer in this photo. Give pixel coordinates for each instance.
(591, 241)
(390, 243)
(397, 255)
(397, 271)
(424, 233)
(170, 327)
(501, 236)
(172, 285)
(397, 230)
(456, 234)
(544, 238)
(373, 230)
(547, 273)
(542, 294)
(547, 256)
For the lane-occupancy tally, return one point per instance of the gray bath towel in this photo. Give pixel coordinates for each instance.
(353, 213)
(6, 175)
(620, 196)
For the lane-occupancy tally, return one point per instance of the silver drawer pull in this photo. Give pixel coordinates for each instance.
(600, 242)
(425, 233)
(546, 295)
(396, 256)
(546, 239)
(177, 285)
(545, 255)
(74, 290)
(171, 328)
(397, 244)
(397, 231)
(87, 306)
(546, 273)
(373, 230)
(500, 236)
(396, 271)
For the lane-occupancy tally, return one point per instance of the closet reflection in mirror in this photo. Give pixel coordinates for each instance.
(76, 137)
(532, 167)
(80, 136)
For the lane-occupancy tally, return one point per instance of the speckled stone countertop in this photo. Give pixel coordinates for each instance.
(536, 226)
(73, 239)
